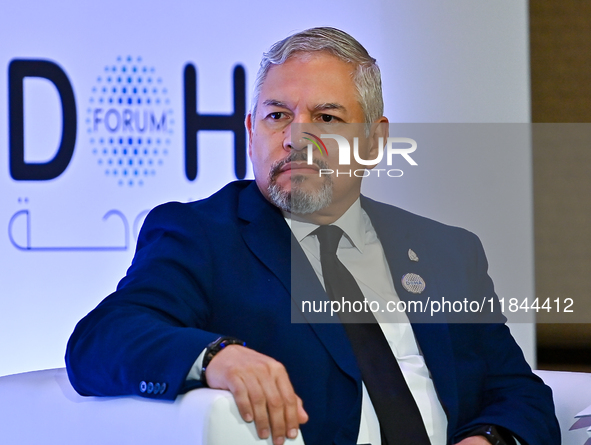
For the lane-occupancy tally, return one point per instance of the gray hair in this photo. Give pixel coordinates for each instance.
(366, 76)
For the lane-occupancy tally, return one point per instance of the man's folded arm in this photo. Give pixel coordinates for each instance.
(145, 334)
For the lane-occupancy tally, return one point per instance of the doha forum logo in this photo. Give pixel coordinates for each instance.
(129, 121)
(122, 128)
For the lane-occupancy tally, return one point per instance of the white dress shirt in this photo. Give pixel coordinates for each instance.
(361, 252)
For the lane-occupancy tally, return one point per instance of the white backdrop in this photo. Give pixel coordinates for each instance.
(454, 61)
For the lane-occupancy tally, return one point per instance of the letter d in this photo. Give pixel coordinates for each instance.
(19, 169)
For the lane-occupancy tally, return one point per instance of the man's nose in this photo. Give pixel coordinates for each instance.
(294, 137)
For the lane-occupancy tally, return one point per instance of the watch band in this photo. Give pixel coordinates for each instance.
(494, 434)
(213, 348)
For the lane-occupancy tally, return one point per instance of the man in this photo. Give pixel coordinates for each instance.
(208, 273)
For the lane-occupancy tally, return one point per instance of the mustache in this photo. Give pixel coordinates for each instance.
(295, 156)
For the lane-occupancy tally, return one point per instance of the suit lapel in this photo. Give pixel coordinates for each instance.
(269, 238)
(265, 232)
(397, 236)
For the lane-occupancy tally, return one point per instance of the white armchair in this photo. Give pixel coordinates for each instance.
(572, 395)
(42, 407)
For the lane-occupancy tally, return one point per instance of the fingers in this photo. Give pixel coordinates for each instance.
(263, 419)
(291, 408)
(302, 414)
(262, 391)
(242, 400)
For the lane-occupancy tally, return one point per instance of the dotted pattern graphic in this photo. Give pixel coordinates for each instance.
(129, 121)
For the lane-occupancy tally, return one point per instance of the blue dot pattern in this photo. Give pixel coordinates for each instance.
(129, 121)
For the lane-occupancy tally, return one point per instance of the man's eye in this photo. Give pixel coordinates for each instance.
(327, 118)
(276, 115)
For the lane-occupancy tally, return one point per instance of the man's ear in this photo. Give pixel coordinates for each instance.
(379, 129)
(248, 124)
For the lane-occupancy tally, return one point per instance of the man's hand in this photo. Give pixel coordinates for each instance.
(261, 389)
(474, 440)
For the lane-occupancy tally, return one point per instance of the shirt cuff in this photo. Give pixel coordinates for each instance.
(195, 372)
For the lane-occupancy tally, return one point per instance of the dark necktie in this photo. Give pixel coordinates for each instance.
(397, 411)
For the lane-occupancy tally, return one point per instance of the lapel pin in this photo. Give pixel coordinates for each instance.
(413, 283)
(412, 255)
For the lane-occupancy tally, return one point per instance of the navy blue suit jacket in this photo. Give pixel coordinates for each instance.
(223, 266)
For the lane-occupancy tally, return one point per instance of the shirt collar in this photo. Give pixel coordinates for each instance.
(351, 223)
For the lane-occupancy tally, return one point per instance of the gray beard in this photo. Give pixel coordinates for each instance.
(298, 201)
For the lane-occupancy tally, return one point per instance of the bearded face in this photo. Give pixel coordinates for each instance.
(300, 199)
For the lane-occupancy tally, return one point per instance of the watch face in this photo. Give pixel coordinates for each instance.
(493, 435)
(216, 346)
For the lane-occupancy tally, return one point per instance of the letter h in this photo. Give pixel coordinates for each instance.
(195, 122)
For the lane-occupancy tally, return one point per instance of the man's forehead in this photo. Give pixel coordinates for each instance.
(331, 65)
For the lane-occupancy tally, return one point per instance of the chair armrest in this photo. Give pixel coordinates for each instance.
(571, 392)
(42, 407)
